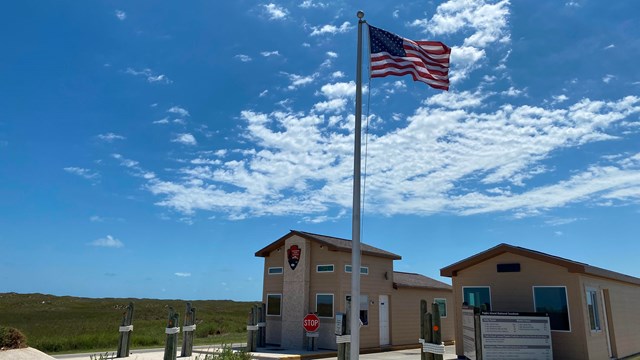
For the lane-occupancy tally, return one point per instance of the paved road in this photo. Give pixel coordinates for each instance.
(158, 354)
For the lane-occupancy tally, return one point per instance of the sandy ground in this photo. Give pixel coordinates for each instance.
(24, 354)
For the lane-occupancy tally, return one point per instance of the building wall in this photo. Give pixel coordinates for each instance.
(338, 283)
(622, 320)
(514, 292)
(273, 285)
(299, 288)
(406, 313)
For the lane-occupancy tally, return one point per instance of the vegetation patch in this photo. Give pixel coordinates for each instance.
(57, 324)
(11, 338)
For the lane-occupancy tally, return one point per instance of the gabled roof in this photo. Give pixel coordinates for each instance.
(332, 243)
(413, 280)
(570, 265)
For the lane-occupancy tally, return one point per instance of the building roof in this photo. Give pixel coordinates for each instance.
(332, 243)
(570, 265)
(413, 280)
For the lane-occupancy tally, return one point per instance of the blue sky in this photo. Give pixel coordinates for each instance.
(149, 149)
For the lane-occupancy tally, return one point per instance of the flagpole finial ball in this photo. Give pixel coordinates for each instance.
(360, 14)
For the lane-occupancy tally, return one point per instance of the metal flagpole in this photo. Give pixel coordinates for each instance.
(355, 225)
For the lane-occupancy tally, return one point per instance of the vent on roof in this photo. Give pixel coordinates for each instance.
(515, 267)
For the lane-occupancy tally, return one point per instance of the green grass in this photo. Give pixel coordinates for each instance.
(56, 324)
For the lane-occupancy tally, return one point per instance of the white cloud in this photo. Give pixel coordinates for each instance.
(557, 99)
(607, 78)
(96, 218)
(264, 93)
(458, 100)
(331, 29)
(186, 139)
(182, 274)
(243, 57)
(332, 54)
(337, 75)
(396, 14)
(610, 46)
(108, 241)
(299, 80)
(307, 4)
(178, 110)
(437, 159)
(572, 4)
(513, 92)
(276, 12)
(466, 60)
(121, 15)
(333, 105)
(487, 23)
(85, 173)
(150, 75)
(270, 53)
(339, 90)
(162, 121)
(110, 137)
(124, 161)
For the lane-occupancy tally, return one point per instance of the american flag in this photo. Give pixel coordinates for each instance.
(426, 61)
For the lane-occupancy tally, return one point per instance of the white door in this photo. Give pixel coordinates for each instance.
(383, 300)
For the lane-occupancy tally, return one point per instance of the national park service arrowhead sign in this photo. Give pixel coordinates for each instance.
(293, 255)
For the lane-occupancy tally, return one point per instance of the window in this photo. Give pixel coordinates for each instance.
(592, 308)
(364, 308)
(275, 270)
(364, 270)
(324, 305)
(553, 301)
(324, 268)
(515, 267)
(274, 304)
(477, 296)
(442, 305)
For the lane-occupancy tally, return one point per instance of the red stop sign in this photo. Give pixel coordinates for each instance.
(311, 323)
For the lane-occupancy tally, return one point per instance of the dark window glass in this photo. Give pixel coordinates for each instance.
(442, 306)
(509, 267)
(553, 301)
(273, 304)
(324, 305)
(478, 296)
(325, 268)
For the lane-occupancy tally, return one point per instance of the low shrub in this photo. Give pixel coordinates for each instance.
(11, 338)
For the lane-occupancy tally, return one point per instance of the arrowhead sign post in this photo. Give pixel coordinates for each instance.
(311, 323)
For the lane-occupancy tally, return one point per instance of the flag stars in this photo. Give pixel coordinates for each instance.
(384, 41)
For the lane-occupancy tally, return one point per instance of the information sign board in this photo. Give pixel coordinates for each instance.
(468, 334)
(515, 336)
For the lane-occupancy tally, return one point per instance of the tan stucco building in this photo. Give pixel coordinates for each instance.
(594, 313)
(310, 273)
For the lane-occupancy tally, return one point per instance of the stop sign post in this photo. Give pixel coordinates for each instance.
(311, 323)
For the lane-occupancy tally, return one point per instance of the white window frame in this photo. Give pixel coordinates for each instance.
(481, 286)
(280, 313)
(365, 268)
(595, 306)
(275, 273)
(566, 297)
(333, 268)
(445, 305)
(333, 306)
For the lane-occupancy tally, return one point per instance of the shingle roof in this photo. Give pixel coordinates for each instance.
(570, 265)
(332, 243)
(413, 280)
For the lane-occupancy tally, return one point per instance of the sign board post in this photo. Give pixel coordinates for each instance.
(311, 323)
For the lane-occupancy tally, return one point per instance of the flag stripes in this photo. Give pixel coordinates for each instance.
(425, 61)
